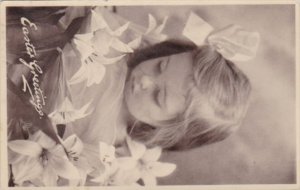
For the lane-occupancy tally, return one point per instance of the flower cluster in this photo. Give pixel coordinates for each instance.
(39, 161)
(102, 46)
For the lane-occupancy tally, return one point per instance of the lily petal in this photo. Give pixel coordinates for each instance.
(161, 27)
(94, 77)
(121, 29)
(97, 75)
(106, 153)
(81, 181)
(25, 147)
(80, 75)
(152, 24)
(127, 163)
(152, 154)
(58, 150)
(63, 168)
(27, 169)
(86, 37)
(134, 176)
(148, 179)
(82, 112)
(13, 157)
(82, 42)
(101, 41)
(43, 140)
(83, 168)
(73, 182)
(58, 117)
(73, 144)
(105, 177)
(160, 169)
(83, 176)
(136, 149)
(37, 182)
(100, 179)
(49, 177)
(66, 105)
(66, 113)
(134, 44)
(83, 164)
(97, 21)
(121, 177)
(91, 153)
(78, 113)
(120, 46)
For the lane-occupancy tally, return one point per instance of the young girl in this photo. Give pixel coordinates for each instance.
(115, 79)
(177, 95)
(182, 96)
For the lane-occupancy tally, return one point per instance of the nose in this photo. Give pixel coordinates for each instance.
(146, 82)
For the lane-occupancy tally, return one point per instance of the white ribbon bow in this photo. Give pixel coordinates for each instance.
(233, 42)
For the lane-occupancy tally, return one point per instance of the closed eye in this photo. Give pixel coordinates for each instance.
(163, 65)
(158, 67)
(156, 97)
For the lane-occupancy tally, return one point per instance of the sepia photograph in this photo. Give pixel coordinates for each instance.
(149, 94)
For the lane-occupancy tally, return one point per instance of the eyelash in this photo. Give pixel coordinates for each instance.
(158, 67)
(156, 95)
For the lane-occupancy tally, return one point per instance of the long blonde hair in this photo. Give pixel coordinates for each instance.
(216, 103)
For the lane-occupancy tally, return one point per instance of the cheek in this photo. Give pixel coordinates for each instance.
(138, 105)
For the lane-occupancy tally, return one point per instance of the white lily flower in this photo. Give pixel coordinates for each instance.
(92, 71)
(151, 168)
(106, 178)
(66, 112)
(74, 148)
(98, 22)
(82, 43)
(144, 161)
(99, 42)
(43, 159)
(113, 174)
(94, 47)
(154, 30)
(93, 59)
(124, 177)
(91, 152)
(134, 44)
(107, 158)
(106, 153)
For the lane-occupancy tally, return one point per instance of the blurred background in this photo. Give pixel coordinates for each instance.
(263, 151)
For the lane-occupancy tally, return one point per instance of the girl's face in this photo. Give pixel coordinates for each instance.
(156, 88)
